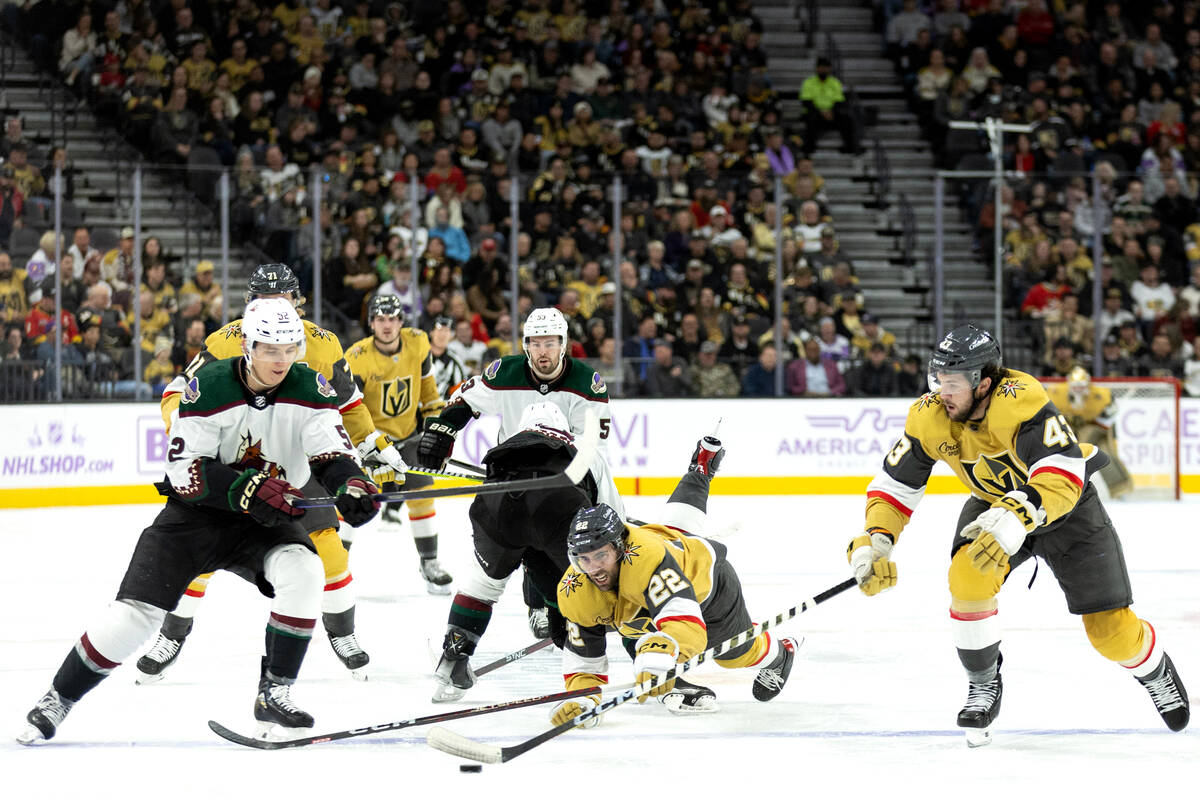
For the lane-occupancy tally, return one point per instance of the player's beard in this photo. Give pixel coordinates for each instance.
(965, 414)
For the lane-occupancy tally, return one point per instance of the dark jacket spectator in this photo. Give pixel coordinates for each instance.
(876, 376)
(668, 375)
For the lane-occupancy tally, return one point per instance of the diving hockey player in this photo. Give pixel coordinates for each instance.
(246, 428)
(393, 369)
(670, 593)
(1028, 476)
(323, 353)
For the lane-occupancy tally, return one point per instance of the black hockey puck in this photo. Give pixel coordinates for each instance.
(470, 767)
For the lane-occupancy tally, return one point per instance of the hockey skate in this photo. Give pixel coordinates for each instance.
(353, 657)
(539, 623)
(1168, 694)
(688, 698)
(980, 710)
(277, 715)
(454, 674)
(437, 580)
(770, 679)
(45, 717)
(152, 667)
(707, 456)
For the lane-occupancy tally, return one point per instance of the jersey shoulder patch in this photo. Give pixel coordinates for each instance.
(584, 380)
(357, 350)
(212, 387)
(508, 371)
(580, 601)
(1017, 398)
(225, 342)
(322, 348)
(308, 387)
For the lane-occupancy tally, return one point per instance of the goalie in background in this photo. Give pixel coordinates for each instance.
(1092, 412)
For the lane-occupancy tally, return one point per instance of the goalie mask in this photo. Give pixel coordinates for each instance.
(1079, 383)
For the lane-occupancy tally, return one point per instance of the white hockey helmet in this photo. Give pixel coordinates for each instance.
(272, 321)
(546, 322)
(547, 418)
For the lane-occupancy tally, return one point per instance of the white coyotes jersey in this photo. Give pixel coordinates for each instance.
(278, 435)
(504, 388)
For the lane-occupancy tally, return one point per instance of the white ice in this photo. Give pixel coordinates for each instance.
(869, 710)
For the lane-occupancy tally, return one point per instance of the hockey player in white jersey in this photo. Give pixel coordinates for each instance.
(249, 430)
(545, 373)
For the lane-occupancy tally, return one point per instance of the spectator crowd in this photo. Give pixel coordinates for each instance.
(1112, 91)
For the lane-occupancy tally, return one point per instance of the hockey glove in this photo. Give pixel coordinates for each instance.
(268, 500)
(654, 655)
(382, 460)
(355, 501)
(570, 709)
(870, 558)
(999, 532)
(435, 445)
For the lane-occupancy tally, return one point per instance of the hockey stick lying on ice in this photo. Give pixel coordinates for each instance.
(586, 445)
(274, 744)
(515, 655)
(458, 745)
(467, 466)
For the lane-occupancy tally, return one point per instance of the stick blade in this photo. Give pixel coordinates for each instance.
(586, 445)
(458, 745)
(245, 741)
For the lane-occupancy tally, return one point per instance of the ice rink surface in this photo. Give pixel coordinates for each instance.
(868, 712)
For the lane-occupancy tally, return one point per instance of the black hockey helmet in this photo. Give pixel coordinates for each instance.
(593, 528)
(385, 305)
(269, 279)
(965, 349)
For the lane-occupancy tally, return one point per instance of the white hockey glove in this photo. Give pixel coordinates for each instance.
(999, 532)
(570, 709)
(382, 460)
(870, 559)
(655, 654)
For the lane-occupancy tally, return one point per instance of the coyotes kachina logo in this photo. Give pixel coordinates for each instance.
(1009, 387)
(250, 455)
(995, 474)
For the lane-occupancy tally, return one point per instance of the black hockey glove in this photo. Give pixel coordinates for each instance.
(268, 500)
(435, 445)
(355, 501)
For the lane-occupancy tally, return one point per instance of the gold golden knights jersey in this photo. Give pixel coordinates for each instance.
(322, 353)
(395, 387)
(665, 581)
(1097, 407)
(1023, 442)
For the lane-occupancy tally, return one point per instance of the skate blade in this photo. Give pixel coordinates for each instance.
(360, 674)
(676, 705)
(437, 591)
(978, 737)
(274, 732)
(447, 694)
(146, 679)
(30, 737)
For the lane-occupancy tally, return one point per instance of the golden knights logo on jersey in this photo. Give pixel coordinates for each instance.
(250, 455)
(571, 582)
(1009, 387)
(395, 396)
(996, 474)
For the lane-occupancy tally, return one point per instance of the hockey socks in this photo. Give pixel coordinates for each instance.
(287, 642)
(469, 617)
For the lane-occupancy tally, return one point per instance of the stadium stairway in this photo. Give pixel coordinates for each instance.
(870, 227)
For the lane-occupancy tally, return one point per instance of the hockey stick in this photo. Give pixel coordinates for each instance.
(586, 445)
(467, 466)
(515, 655)
(458, 745)
(273, 744)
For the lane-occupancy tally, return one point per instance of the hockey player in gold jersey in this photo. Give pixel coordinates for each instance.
(1030, 497)
(323, 353)
(1092, 414)
(668, 592)
(394, 371)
